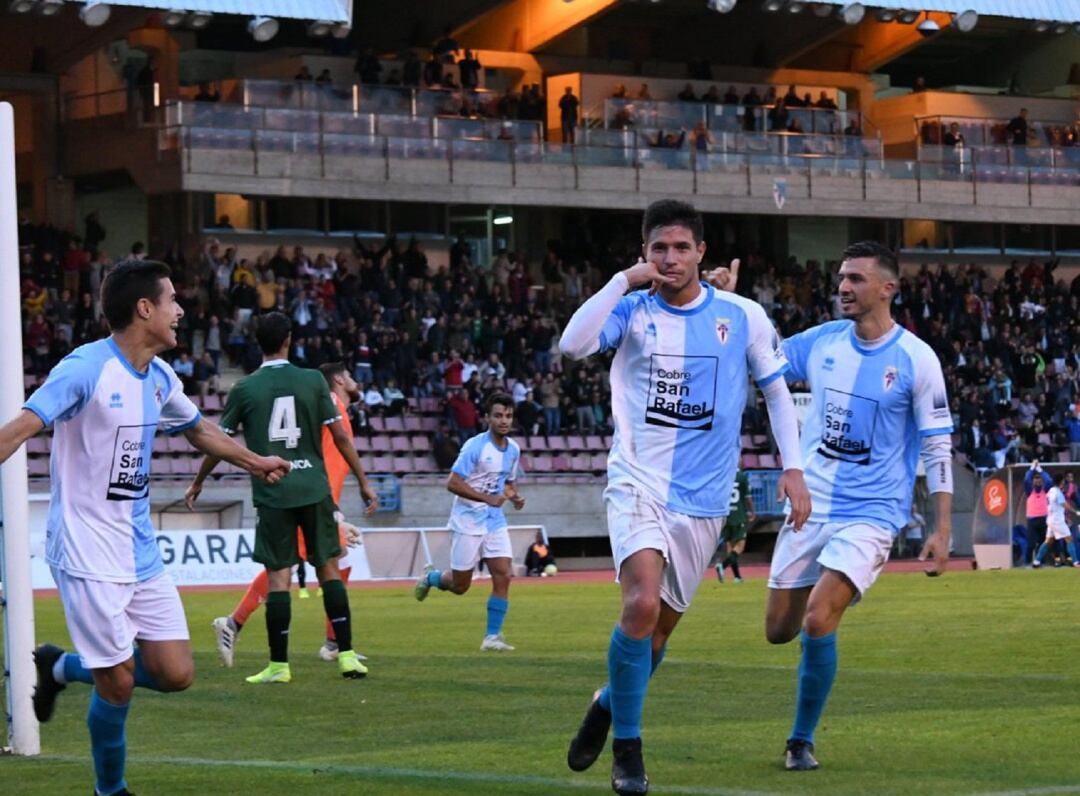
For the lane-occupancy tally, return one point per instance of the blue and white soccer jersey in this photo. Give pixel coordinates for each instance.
(104, 415)
(1057, 527)
(479, 530)
(861, 443)
(679, 384)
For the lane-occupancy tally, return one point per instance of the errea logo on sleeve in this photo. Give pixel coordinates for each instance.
(116, 401)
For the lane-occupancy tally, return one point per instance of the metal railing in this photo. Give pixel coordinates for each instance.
(624, 113)
(980, 131)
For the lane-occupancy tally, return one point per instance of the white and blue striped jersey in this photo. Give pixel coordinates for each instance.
(1055, 501)
(678, 390)
(104, 415)
(871, 409)
(486, 468)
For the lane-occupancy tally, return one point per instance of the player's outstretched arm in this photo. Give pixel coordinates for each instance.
(347, 449)
(937, 544)
(217, 445)
(460, 487)
(510, 490)
(581, 337)
(17, 431)
(785, 429)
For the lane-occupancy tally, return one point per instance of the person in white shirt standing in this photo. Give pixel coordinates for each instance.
(684, 356)
(105, 401)
(1058, 533)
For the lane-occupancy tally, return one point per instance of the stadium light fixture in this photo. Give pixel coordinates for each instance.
(823, 10)
(928, 28)
(95, 13)
(173, 18)
(341, 31)
(319, 28)
(796, 6)
(502, 218)
(853, 13)
(1041, 26)
(966, 21)
(772, 6)
(886, 14)
(21, 6)
(1061, 28)
(50, 8)
(262, 29)
(721, 6)
(198, 20)
(907, 17)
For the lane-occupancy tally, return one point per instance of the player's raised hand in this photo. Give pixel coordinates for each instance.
(518, 501)
(724, 278)
(271, 469)
(645, 272)
(937, 545)
(192, 494)
(496, 501)
(371, 499)
(792, 487)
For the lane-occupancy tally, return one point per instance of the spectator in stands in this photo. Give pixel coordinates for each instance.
(462, 414)
(214, 344)
(920, 85)
(444, 447)
(568, 115)
(433, 72)
(469, 71)
(374, 404)
(528, 413)
(792, 98)
(643, 93)
(731, 96)
(538, 558)
(1072, 428)
(206, 94)
(447, 47)
(619, 92)
(324, 78)
(687, 94)
(1037, 484)
(304, 75)
(146, 81)
(75, 264)
(550, 395)
(39, 341)
(825, 102)
(1017, 129)
(94, 233)
(751, 102)
(393, 399)
(206, 375)
(185, 369)
(1026, 411)
(411, 70)
(778, 116)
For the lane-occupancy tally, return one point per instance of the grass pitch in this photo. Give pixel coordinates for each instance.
(966, 684)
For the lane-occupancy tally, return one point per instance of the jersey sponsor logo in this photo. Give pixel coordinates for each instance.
(941, 406)
(777, 347)
(682, 391)
(301, 464)
(848, 423)
(116, 401)
(891, 375)
(995, 497)
(129, 474)
(828, 363)
(723, 330)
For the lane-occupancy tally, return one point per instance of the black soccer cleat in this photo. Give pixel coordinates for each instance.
(799, 756)
(591, 736)
(628, 776)
(45, 657)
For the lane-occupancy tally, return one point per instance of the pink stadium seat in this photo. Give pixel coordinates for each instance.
(380, 443)
(362, 444)
(37, 446)
(429, 406)
(536, 444)
(594, 443)
(161, 445)
(400, 444)
(760, 441)
(212, 403)
(29, 381)
(556, 442)
(383, 464)
(575, 443)
(1044, 439)
(368, 463)
(541, 464)
(178, 444)
(560, 464)
(413, 404)
(581, 463)
(395, 425)
(377, 423)
(749, 461)
(599, 462)
(424, 464)
(608, 442)
(420, 443)
(37, 467)
(767, 460)
(746, 442)
(413, 424)
(429, 424)
(1064, 457)
(403, 464)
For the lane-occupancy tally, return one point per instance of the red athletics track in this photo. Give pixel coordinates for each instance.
(588, 576)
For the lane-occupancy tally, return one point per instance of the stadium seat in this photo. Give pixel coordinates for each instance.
(420, 443)
(38, 467)
(161, 445)
(403, 464)
(429, 424)
(760, 441)
(380, 443)
(429, 406)
(383, 464)
(556, 442)
(395, 425)
(560, 464)
(536, 444)
(400, 444)
(746, 442)
(575, 443)
(581, 463)
(37, 446)
(1063, 457)
(362, 444)
(377, 423)
(750, 461)
(177, 443)
(541, 464)
(767, 460)
(212, 403)
(413, 424)
(424, 464)
(594, 443)
(368, 463)
(608, 441)
(599, 462)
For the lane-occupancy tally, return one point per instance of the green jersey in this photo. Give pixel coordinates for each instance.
(740, 489)
(282, 409)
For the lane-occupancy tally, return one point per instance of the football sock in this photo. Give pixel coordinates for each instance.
(142, 677)
(434, 578)
(69, 669)
(252, 599)
(108, 743)
(278, 616)
(1071, 545)
(817, 671)
(629, 662)
(1040, 554)
(496, 613)
(336, 603)
(301, 575)
(605, 693)
(330, 625)
(733, 559)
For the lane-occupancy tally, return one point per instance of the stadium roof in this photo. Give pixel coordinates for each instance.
(1050, 10)
(329, 10)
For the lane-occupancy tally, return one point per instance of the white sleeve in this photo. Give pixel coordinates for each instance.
(937, 458)
(581, 337)
(784, 423)
(764, 354)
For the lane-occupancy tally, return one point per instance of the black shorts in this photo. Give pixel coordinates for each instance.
(275, 534)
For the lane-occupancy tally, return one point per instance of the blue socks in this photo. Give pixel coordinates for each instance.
(605, 693)
(817, 671)
(72, 669)
(1041, 553)
(496, 613)
(108, 743)
(629, 667)
(434, 578)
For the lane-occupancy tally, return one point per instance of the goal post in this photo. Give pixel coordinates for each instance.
(18, 603)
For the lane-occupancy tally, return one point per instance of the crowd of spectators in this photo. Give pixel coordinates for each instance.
(1010, 346)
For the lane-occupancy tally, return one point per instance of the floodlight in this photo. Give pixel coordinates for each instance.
(823, 10)
(1041, 26)
(95, 13)
(48, 8)
(21, 6)
(502, 218)
(198, 20)
(796, 6)
(907, 17)
(1061, 27)
(319, 28)
(173, 18)
(772, 6)
(966, 21)
(928, 28)
(722, 6)
(341, 30)
(886, 14)
(263, 29)
(853, 13)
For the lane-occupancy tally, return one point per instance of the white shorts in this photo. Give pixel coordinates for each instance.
(637, 521)
(859, 550)
(104, 619)
(467, 549)
(1057, 530)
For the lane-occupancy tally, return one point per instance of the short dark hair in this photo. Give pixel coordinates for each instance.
(271, 331)
(668, 212)
(331, 370)
(885, 257)
(498, 399)
(126, 284)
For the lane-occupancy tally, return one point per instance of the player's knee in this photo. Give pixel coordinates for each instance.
(460, 586)
(780, 632)
(641, 613)
(819, 622)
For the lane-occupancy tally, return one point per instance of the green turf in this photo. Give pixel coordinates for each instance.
(963, 684)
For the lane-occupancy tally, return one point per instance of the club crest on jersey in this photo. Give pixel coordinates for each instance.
(891, 375)
(723, 330)
(159, 396)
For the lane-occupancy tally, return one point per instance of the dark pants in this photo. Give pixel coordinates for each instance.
(1036, 534)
